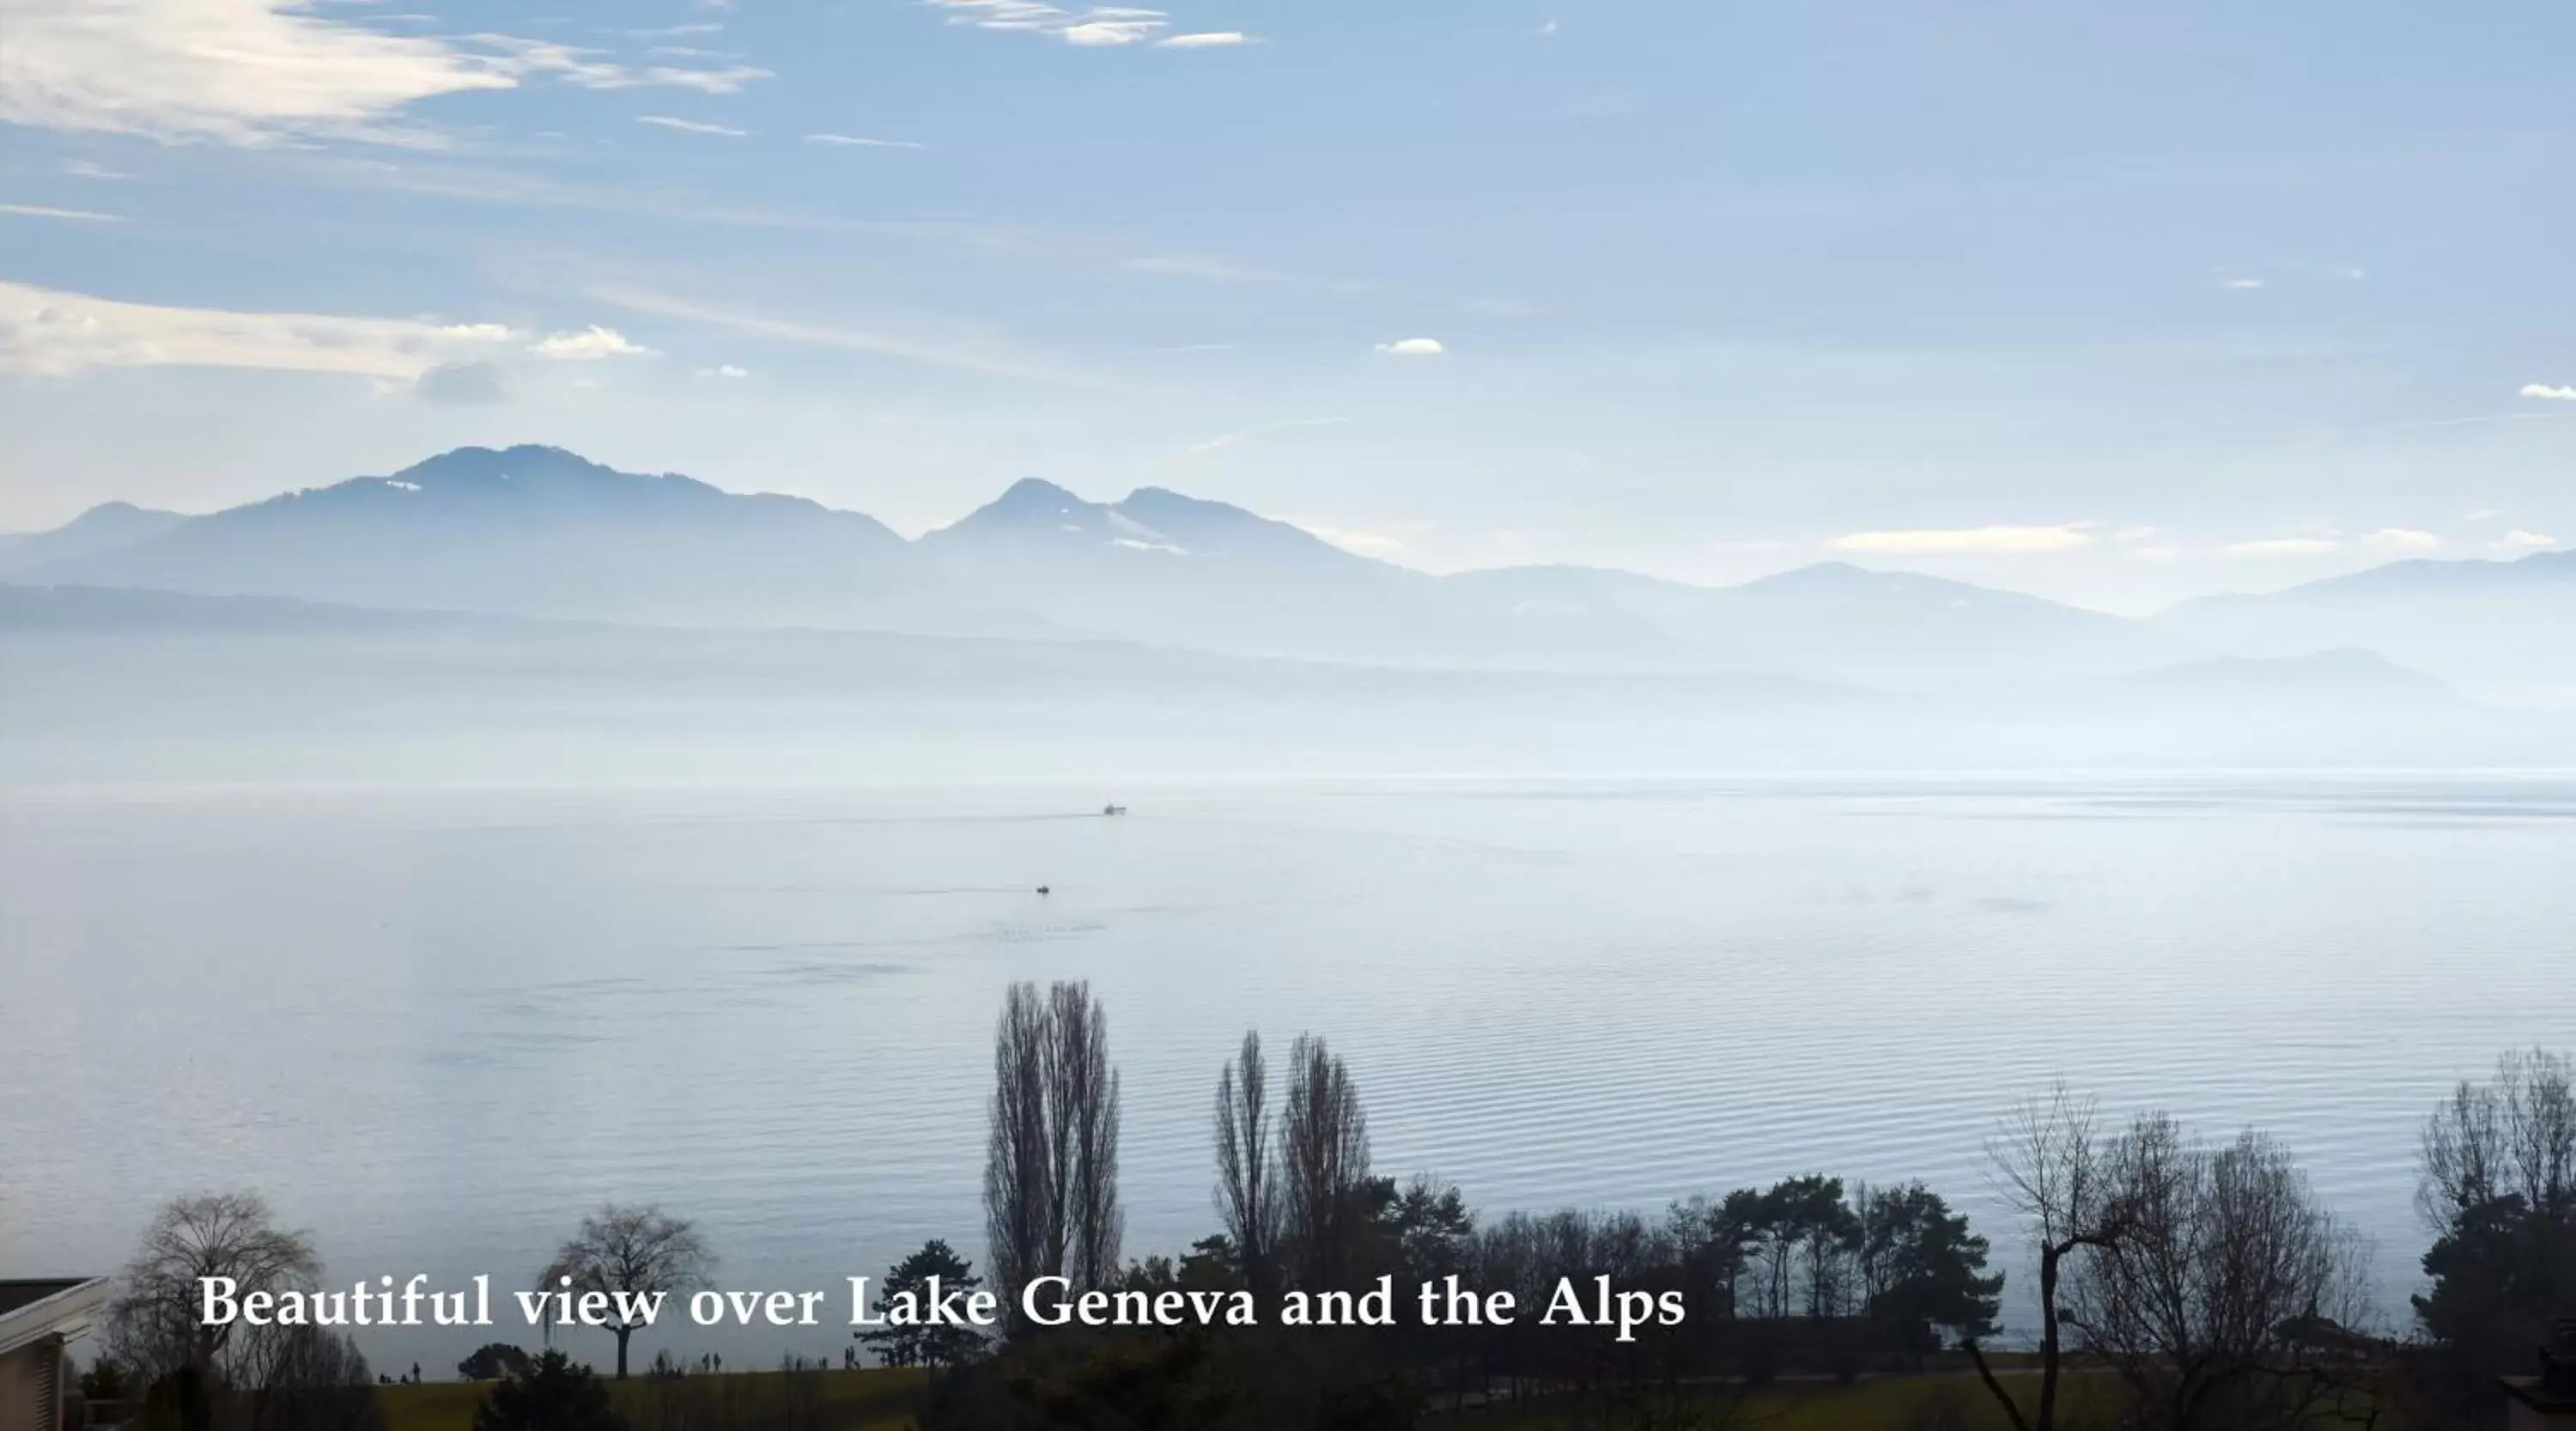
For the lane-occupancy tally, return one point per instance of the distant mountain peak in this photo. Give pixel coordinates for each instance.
(479, 467)
(103, 528)
(1037, 492)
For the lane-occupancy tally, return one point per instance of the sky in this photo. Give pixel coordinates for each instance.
(2116, 304)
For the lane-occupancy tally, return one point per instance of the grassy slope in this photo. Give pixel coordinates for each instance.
(885, 1399)
(868, 1399)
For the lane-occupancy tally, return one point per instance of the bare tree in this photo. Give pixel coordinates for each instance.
(1019, 1191)
(1051, 1159)
(2047, 1168)
(2498, 1193)
(2231, 1297)
(1082, 1108)
(1247, 1180)
(153, 1326)
(1323, 1160)
(2512, 1138)
(304, 1379)
(637, 1251)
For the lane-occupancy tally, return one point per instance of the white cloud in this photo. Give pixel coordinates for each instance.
(2564, 393)
(463, 385)
(1109, 32)
(1963, 541)
(2133, 534)
(255, 72)
(1094, 26)
(724, 370)
(854, 141)
(1546, 29)
(589, 345)
(53, 332)
(2284, 547)
(238, 71)
(2241, 285)
(2522, 541)
(689, 126)
(584, 67)
(1413, 348)
(42, 211)
(84, 169)
(2157, 553)
(1204, 40)
(2481, 514)
(1353, 540)
(965, 358)
(2401, 539)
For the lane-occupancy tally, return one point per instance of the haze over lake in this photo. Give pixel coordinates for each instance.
(437, 1026)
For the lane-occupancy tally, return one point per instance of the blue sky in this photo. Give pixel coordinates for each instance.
(2116, 304)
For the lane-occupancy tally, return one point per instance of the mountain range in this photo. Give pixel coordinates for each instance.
(538, 532)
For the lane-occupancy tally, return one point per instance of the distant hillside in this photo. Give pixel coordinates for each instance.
(2499, 630)
(127, 685)
(539, 532)
(1161, 567)
(103, 528)
(1837, 621)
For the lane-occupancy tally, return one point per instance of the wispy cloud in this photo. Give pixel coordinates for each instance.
(857, 141)
(235, 71)
(1092, 26)
(589, 345)
(724, 370)
(1966, 541)
(2522, 541)
(690, 126)
(57, 333)
(1191, 265)
(587, 68)
(261, 72)
(463, 385)
(1352, 539)
(2480, 514)
(1213, 444)
(2560, 393)
(2240, 285)
(1193, 452)
(962, 357)
(2284, 547)
(1413, 348)
(47, 211)
(84, 169)
(2401, 539)
(1204, 40)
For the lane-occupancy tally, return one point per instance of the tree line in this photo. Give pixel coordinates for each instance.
(2203, 1282)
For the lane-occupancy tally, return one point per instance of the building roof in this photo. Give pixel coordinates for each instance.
(32, 1309)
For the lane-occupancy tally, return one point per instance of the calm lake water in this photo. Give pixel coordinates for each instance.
(434, 1028)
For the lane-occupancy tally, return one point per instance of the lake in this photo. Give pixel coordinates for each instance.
(435, 1027)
